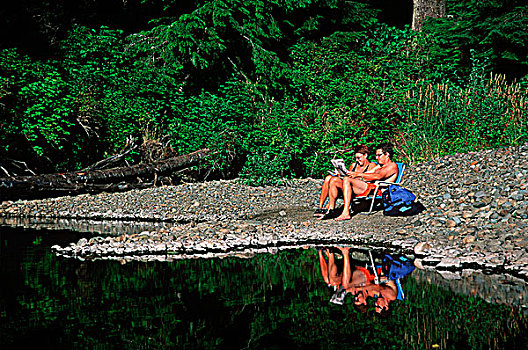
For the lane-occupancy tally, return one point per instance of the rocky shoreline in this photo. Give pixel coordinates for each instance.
(476, 217)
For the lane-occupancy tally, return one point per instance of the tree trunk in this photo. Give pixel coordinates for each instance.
(90, 181)
(426, 8)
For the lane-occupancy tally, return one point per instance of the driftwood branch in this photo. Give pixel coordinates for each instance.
(12, 166)
(92, 181)
(113, 160)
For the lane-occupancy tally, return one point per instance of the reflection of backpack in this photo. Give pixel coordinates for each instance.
(398, 267)
(398, 201)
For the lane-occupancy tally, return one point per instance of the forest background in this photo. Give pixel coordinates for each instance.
(275, 88)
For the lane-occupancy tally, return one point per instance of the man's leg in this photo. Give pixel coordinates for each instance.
(350, 187)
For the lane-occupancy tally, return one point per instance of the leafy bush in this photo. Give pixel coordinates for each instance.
(274, 89)
(38, 105)
(86, 105)
(447, 118)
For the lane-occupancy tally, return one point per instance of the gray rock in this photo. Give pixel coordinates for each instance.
(480, 194)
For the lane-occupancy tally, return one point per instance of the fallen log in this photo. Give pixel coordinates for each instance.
(93, 181)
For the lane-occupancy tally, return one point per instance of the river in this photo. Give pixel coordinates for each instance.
(250, 301)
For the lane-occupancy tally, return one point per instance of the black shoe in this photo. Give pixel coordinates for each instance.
(319, 212)
(330, 214)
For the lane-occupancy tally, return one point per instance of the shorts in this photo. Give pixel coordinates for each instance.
(370, 187)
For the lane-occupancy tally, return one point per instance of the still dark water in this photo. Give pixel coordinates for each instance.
(270, 301)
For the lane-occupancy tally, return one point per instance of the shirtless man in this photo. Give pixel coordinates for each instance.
(383, 294)
(361, 184)
(360, 282)
(355, 279)
(361, 165)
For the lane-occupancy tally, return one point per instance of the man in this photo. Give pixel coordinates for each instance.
(360, 282)
(355, 279)
(383, 293)
(361, 165)
(361, 184)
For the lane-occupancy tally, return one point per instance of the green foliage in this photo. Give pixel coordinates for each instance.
(86, 105)
(122, 96)
(214, 122)
(48, 112)
(447, 118)
(275, 89)
(352, 85)
(493, 29)
(41, 110)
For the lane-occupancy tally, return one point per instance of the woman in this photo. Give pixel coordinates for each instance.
(361, 165)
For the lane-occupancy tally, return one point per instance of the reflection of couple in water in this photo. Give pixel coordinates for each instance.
(362, 282)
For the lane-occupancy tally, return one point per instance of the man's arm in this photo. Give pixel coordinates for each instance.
(372, 169)
(388, 290)
(380, 173)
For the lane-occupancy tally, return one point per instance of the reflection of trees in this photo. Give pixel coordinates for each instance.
(233, 303)
(461, 321)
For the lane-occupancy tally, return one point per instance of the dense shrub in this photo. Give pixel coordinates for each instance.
(274, 89)
(446, 118)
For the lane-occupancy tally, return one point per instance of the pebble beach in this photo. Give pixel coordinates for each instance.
(476, 217)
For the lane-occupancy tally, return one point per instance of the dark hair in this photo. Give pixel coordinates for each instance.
(362, 149)
(361, 308)
(386, 148)
(385, 313)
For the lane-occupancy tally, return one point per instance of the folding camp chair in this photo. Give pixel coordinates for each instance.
(381, 185)
(378, 280)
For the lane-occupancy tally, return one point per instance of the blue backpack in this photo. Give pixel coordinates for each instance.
(396, 195)
(398, 201)
(397, 267)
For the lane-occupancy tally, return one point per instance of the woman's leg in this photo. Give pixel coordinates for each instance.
(324, 190)
(334, 186)
(350, 188)
(324, 266)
